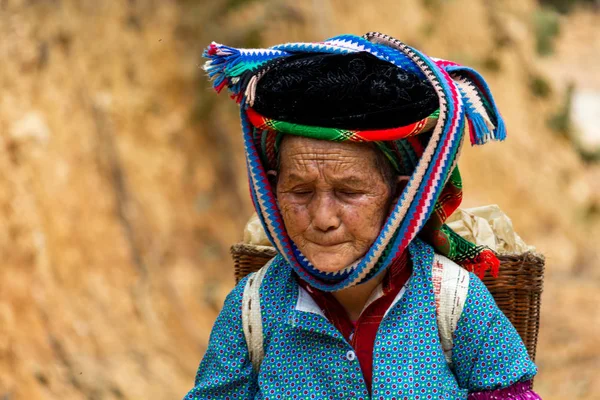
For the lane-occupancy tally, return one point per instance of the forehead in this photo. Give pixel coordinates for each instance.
(296, 150)
(304, 159)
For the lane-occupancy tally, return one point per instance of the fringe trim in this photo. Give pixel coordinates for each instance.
(481, 126)
(474, 89)
(483, 262)
(235, 68)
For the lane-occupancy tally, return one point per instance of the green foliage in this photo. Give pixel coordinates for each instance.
(491, 63)
(592, 211)
(431, 4)
(461, 57)
(590, 157)
(428, 29)
(249, 36)
(205, 105)
(547, 27)
(539, 86)
(502, 40)
(434, 5)
(560, 122)
(231, 5)
(565, 6)
(253, 37)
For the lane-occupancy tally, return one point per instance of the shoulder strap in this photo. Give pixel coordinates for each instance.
(252, 317)
(450, 288)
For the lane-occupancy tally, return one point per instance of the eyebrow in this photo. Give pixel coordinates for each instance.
(293, 177)
(349, 180)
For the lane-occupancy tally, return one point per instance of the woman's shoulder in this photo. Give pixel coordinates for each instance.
(450, 279)
(445, 270)
(444, 266)
(462, 292)
(277, 284)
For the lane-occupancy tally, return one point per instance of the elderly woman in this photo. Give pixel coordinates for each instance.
(351, 147)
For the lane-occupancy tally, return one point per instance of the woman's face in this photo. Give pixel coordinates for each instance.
(333, 199)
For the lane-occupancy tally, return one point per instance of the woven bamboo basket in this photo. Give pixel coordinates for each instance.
(517, 289)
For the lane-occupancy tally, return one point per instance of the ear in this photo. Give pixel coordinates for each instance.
(272, 175)
(401, 182)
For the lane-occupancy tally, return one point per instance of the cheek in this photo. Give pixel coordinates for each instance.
(365, 219)
(295, 216)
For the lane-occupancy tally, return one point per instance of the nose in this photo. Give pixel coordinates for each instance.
(324, 212)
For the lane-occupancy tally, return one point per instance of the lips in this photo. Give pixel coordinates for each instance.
(328, 243)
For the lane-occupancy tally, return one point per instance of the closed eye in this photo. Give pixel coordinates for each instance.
(301, 190)
(349, 192)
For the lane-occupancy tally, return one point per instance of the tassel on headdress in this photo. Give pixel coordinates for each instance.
(234, 68)
(485, 121)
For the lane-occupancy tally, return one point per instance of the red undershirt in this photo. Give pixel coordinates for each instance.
(361, 333)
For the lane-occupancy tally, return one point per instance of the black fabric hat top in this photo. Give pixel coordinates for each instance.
(346, 91)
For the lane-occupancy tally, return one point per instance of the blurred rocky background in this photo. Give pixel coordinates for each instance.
(122, 181)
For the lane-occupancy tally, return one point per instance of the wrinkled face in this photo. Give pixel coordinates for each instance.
(333, 199)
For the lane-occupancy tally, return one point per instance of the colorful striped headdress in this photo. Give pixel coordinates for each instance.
(426, 149)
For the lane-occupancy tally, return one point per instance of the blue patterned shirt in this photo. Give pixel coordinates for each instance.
(306, 357)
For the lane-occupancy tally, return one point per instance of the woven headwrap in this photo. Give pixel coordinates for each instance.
(426, 149)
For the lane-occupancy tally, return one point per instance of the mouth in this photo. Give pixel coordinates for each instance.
(327, 243)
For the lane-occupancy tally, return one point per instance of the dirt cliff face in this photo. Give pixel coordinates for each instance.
(122, 183)
(112, 230)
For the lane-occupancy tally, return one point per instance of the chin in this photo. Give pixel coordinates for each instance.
(331, 262)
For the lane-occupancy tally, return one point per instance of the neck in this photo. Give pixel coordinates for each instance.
(354, 298)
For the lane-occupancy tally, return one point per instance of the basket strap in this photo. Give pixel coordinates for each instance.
(252, 317)
(450, 288)
(450, 284)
